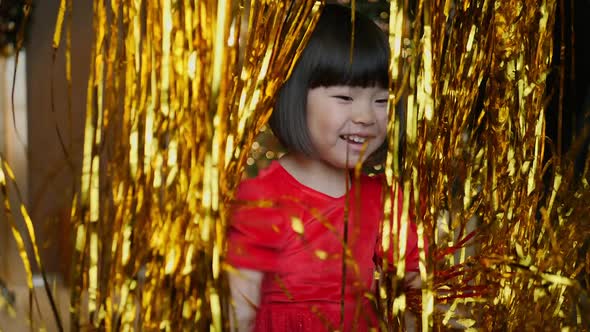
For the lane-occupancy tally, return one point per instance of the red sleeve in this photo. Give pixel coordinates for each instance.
(256, 234)
(412, 251)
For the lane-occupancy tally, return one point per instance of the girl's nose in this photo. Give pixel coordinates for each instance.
(363, 114)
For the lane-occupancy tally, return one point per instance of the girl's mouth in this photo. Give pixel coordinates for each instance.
(354, 139)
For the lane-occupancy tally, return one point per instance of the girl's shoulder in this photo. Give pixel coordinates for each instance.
(267, 184)
(373, 179)
(373, 182)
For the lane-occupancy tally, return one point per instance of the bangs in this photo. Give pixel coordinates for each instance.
(329, 61)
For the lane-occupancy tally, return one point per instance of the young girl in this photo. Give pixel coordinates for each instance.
(297, 266)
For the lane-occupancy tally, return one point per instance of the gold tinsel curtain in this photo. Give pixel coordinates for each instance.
(505, 227)
(176, 97)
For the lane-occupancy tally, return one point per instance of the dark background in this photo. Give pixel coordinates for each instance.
(572, 34)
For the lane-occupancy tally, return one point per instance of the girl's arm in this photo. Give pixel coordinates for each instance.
(245, 292)
(412, 281)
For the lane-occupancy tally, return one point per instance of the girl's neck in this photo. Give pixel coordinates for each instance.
(316, 174)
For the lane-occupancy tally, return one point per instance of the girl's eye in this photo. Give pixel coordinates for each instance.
(381, 101)
(343, 98)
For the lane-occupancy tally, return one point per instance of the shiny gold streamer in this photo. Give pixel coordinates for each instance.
(176, 96)
(9, 191)
(503, 254)
(151, 215)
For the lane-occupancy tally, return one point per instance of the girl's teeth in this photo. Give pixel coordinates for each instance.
(356, 139)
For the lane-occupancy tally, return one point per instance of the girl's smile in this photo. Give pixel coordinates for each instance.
(342, 120)
(356, 142)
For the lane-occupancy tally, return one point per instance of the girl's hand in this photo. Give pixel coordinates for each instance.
(413, 281)
(245, 292)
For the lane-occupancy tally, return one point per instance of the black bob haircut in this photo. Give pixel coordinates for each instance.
(326, 61)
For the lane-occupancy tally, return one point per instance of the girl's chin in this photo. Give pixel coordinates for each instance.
(344, 163)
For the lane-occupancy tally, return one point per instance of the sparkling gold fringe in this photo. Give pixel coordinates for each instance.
(176, 96)
(503, 253)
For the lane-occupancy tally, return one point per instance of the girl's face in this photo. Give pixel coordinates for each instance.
(341, 119)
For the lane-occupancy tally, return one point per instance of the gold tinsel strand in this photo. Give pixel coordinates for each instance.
(473, 168)
(152, 212)
(175, 98)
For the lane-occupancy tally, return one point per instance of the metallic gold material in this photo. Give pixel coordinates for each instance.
(184, 95)
(472, 170)
(178, 91)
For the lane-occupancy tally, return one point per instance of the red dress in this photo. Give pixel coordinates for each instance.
(294, 235)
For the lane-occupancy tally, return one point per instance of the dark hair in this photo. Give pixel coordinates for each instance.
(326, 61)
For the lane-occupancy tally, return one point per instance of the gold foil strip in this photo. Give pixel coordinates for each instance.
(7, 180)
(152, 209)
(163, 228)
(474, 120)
